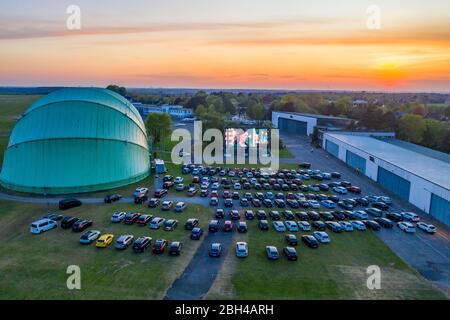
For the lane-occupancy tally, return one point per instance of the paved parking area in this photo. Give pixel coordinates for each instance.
(428, 254)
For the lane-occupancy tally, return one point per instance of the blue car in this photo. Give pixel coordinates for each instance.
(196, 233)
(328, 204)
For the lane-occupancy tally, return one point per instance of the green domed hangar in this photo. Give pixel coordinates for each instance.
(76, 140)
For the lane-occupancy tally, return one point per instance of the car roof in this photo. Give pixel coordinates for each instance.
(42, 220)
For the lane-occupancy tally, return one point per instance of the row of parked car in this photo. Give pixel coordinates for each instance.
(50, 221)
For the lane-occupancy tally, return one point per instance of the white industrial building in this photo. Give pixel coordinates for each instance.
(419, 177)
(175, 111)
(304, 123)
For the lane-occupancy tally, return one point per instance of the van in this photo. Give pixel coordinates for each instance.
(42, 225)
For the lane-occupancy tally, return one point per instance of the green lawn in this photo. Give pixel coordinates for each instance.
(12, 106)
(285, 153)
(333, 271)
(34, 266)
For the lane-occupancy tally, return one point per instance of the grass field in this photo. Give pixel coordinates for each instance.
(333, 271)
(34, 266)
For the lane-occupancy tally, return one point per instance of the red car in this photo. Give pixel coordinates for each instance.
(159, 193)
(235, 215)
(228, 226)
(195, 179)
(214, 194)
(354, 189)
(159, 246)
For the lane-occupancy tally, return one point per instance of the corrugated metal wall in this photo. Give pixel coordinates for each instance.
(440, 209)
(394, 183)
(292, 126)
(332, 148)
(355, 161)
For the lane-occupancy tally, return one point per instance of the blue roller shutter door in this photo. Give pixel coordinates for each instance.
(440, 209)
(332, 148)
(292, 126)
(394, 183)
(356, 162)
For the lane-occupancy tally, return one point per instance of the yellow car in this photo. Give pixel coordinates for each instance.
(104, 240)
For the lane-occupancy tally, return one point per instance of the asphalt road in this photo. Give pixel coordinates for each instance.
(428, 254)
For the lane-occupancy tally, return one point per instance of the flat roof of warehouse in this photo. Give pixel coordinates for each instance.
(312, 115)
(431, 169)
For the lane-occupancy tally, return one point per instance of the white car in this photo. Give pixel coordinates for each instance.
(118, 216)
(178, 180)
(180, 206)
(408, 227)
(279, 226)
(291, 226)
(428, 228)
(42, 225)
(304, 225)
(314, 204)
(156, 223)
(253, 181)
(140, 192)
(346, 226)
(386, 200)
(340, 190)
(361, 214)
(215, 186)
(321, 236)
(410, 216)
(237, 186)
(249, 175)
(358, 225)
(231, 173)
(241, 249)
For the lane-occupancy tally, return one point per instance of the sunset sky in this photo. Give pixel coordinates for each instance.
(276, 44)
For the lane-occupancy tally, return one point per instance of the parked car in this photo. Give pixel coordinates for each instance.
(69, 203)
(175, 248)
(180, 206)
(67, 222)
(303, 216)
(213, 226)
(313, 215)
(42, 225)
(310, 241)
(159, 193)
(167, 205)
(144, 219)
(321, 236)
(428, 228)
(104, 240)
(304, 225)
(328, 204)
(291, 239)
(290, 253)
(118, 217)
(380, 205)
(394, 216)
(407, 227)
(241, 249)
(81, 225)
(410, 216)
(371, 224)
(374, 212)
(319, 225)
(261, 215)
(213, 201)
(346, 226)
(89, 236)
(124, 241)
(263, 225)
(249, 215)
(131, 217)
(153, 202)
(159, 246)
(219, 213)
(340, 190)
(358, 225)
(291, 226)
(196, 233)
(109, 198)
(227, 226)
(275, 215)
(215, 249)
(140, 195)
(279, 226)
(361, 214)
(242, 227)
(384, 222)
(327, 216)
(334, 226)
(354, 189)
(272, 253)
(170, 224)
(156, 223)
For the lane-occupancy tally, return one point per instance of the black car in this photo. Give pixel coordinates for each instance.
(305, 165)
(319, 225)
(292, 203)
(310, 241)
(385, 223)
(81, 225)
(280, 203)
(371, 224)
(362, 201)
(167, 178)
(242, 227)
(375, 212)
(345, 205)
(175, 248)
(67, 222)
(235, 195)
(213, 226)
(336, 175)
(268, 203)
(112, 197)
(288, 215)
(302, 216)
(334, 198)
(291, 239)
(338, 215)
(141, 244)
(263, 225)
(334, 226)
(191, 224)
(153, 202)
(397, 217)
(324, 187)
(256, 203)
(290, 253)
(327, 216)
(380, 205)
(131, 217)
(69, 203)
(275, 215)
(219, 214)
(53, 216)
(345, 184)
(249, 215)
(261, 215)
(313, 215)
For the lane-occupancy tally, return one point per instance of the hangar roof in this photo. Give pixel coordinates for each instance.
(428, 168)
(312, 115)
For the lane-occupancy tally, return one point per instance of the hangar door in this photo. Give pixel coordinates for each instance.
(394, 183)
(292, 126)
(332, 148)
(355, 161)
(440, 209)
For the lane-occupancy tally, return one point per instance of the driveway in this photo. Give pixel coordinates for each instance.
(428, 254)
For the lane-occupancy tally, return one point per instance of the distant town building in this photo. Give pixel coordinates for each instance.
(175, 111)
(359, 103)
